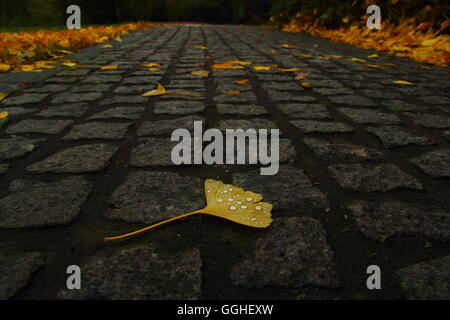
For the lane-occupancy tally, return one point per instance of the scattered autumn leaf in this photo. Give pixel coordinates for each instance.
(261, 68)
(228, 202)
(372, 56)
(4, 67)
(106, 46)
(114, 67)
(301, 76)
(289, 69)
(241, 82)
(4, 115)
(200, 47)
(288, 46)
(376, 66)
(69, 64)
(201, 73)
(160, 90)
(403, 82)
(150, 65)
(303, 56)
(155, 69)
(357, 60)
(118, 39)
(3, 96)
(232, 92)
(227, 65)
(306, 85)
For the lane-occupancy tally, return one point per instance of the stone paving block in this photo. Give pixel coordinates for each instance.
(293, 254)
(372, 178)
(16, 111)
(226, 87)
(430, 120)
(328, 150)
(311, 126)
(16, 147)
(129, 89)
(66, 110)
(395, 136)
(243, 98)
(140, 273)
(39, 126)
(77, 97)
(244, 110)
(124, 100)
(91, 88)
(129, 113)
(150, 197)
(41, 204)
(59, 80)
(289, 190)
(304, 111)
(367, 116)
(333, 91)
(382, 220)
(166, 127)
(277, 96)
(427, 280)
(50, 88)
(100, 79)
(87, 158)
(153, 152)
(403, 106)
(98, 130)
(17, 272)
(353, 100)
(4, 168)
(23, 99)
(282, 86)
(151, 81)
(435, 163)
(246, 124)
(178, 107)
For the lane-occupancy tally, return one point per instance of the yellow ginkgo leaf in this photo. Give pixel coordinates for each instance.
(150, 65)
(303, 56)
(242, 63)
(261, 68)
(201, 73)
(376, 66)
(403, 82)
(201, 47)
(232, 92)
(4, 67)
(186, 93)
(3, 96)
(357, 60)
(241, 82)
(4, 115)
(109, 67)
(227, 65)
(106, 46)
(373, 56)
(118, 39)
(289, 69)
(228, 202)
(160, 90)
(288, 46)
(429, 43)
(155, 69)
(306, 85)
(69, 64)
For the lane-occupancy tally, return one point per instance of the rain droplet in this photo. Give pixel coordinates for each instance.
(253, 219)
(230, 199)
(258, 208)
(249, 199)
(232, 208)
(220, 200)
(239, 202)
(244, 207)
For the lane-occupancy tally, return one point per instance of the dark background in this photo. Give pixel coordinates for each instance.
(328, 13)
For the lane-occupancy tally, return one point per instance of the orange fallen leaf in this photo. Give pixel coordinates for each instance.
(373, 56)
(301, 76)
(232, 92)
(69, 64)
(261, 68)
(429, 42)
(160, 90)
(4, 67)
(303, 56)
(114, 67)
(306, 85)
(288, 46)
(227, 202)
(403, 82)
(241, 82)
(357, 60)
(201, 73)
(155, 69)
(200, 47)
(227, 65)
(4, 115)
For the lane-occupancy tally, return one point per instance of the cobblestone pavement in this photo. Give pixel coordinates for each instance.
(364, 180)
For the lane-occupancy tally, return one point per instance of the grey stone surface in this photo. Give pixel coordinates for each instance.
(99, 79)
(124, 100)
(17, 272)
(342, 150)
(305, 111)
(167, 127)
(289, 190)
(353, 100)
(430, 120)
(395, 136)
(435, 163)
(151, 197)
(16, 111)
(178, 107)
(129, 113)
(371, 178)
(311, 126)
(153, 152)
(87, 158)
(77, 97)
(4, 168)
(246, 124)
(140, 273)
(243, 98)
(292, 253)
(65, 110)
(98, 130)
(24, 99)
(367, 116)
(91, 88)
(241, 110)
(40, 204)
(427, 280)
(382, 220)
(16, 147)
(39, 126)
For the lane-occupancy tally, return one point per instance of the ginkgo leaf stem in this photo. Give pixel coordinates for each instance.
(108, 239)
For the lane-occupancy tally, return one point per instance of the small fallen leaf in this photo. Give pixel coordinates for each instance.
(227, 65)
(4, 115)
(373, 56)
(160, 90)
(106, 46)
(403, 82)
(4, 67)
(261, 68)
(114, 67)
(118, 39)
(200, 47)
(357, 60)
(241, 82)
(232, 92)
(155, 69)
(228, 202)
(243, 63)
(201, 73)
(64, 51)
(150, 65)
(447, 132)
(289, 70)
(69, 64)
(301, 76)
(429, 43)
(288, 46)
(360, 153)
(303, 56)
(306, 85)
(3, 96)
(373, 66)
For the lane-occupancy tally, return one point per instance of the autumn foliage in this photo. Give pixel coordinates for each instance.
(39, 50)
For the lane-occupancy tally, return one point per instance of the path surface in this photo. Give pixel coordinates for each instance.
(364, 180)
